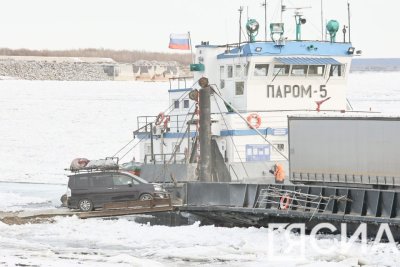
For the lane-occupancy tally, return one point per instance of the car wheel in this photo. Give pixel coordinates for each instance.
(85, 205)
(146, 197)
(64, 200)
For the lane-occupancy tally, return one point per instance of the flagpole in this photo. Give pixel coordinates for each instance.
(191, 50)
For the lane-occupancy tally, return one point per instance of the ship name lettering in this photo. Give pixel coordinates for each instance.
(296, 91)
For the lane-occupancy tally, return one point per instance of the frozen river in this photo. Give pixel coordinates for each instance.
(47, 124)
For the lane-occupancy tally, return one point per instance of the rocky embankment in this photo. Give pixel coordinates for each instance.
(44, 70)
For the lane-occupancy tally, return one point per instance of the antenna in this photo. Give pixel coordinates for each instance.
(265, 18)
(344, 33)
(283, 9)
(348, 17)
(298, 16)
(240, 24)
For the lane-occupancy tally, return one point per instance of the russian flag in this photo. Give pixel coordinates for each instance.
(179, 41)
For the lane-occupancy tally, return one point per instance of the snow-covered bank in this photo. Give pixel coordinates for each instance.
(46, 124)
(24, 196)
(71, 241)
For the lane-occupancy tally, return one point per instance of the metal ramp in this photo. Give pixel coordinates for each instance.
(109, 210)
(129, 208)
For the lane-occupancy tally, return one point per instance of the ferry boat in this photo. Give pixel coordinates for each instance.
(244, 99)
(256, 86)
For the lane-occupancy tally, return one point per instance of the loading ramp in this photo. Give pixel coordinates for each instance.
(109, 210)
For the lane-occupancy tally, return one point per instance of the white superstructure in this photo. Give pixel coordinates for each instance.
(266, 82)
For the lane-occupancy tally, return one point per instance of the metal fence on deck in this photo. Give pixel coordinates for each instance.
(283, 199)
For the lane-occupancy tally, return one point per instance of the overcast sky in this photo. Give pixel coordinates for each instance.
(146, 24)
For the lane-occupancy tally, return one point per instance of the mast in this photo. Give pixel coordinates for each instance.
(205, 131)
(240, 25)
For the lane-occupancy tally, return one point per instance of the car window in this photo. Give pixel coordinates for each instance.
(101, 181)
(81, 181)
(123, 180)
(140, 180)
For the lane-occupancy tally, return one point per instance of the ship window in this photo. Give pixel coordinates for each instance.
(281, 70)
(176, 103)
(239, 88)
(147, 149)
(222, 85)
(261, 70)
(176, 147)
(185, 103)
(238, 71)
(221, 72)
(299, 70)
(230, 71)
(280, 147)
(337, 70)
(316, 70)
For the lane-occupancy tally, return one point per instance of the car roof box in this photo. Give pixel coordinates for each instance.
(83, 164)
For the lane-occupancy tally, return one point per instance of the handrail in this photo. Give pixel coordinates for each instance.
(164, 158)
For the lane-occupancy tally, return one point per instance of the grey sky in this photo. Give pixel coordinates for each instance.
(146, 25)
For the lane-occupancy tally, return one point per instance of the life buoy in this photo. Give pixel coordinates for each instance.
(285, 202)
(160, 118)
(254, 120)
(166, 120)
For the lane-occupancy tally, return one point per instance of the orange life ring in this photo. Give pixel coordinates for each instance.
(160, 118)
(285, 202)
(166, 120)
(254, 120)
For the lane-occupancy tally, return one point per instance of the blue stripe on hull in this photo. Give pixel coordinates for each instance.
(247, 132)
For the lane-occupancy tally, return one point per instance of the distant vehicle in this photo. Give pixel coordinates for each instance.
(90, 190)
(131, 167)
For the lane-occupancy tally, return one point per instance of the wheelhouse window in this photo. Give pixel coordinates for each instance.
(221, 72)
(238, 71)
(299, 70)
(186, 103)
(261, 69)
(316, 70)
(337, 70)
(239, 88)
(176, 104)
(230, 71)
(222, 84)
(281, 70)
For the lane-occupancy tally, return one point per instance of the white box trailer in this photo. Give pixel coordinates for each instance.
(350, 151)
